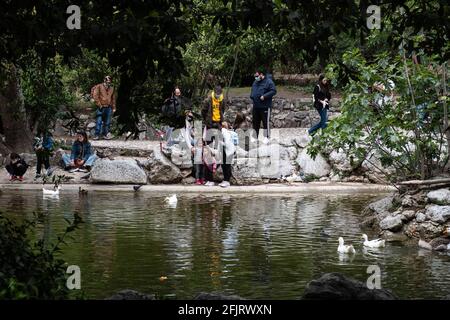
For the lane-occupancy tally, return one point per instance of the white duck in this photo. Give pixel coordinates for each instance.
(345, 248)
(53, 192)
(376, 243)
(172, 200)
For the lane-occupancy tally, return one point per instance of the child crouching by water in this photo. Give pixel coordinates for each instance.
(17, 167)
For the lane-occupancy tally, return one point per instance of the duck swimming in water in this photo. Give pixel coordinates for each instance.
(342, 248)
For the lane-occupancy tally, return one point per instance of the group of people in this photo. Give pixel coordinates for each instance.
(219, 138)
(204, 151)
(82, 156)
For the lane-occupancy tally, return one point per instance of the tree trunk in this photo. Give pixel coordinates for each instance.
(18, 136)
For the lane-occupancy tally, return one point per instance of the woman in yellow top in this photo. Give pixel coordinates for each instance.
(212, 113)
(213, 108)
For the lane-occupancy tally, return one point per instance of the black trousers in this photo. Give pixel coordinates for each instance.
(42, 158)
(16, 171)
(226, 168)
(264, 116)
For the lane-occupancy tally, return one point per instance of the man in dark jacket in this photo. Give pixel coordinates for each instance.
(263, 90)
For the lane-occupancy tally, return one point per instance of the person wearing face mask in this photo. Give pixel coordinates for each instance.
(263, 90)
(322, 97)
(104, 97)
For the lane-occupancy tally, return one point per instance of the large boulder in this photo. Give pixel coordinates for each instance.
(246, 171)
(181, 157)
(30, 158)
(118, 172)
(439, 214)
(161, 170)
(391, 223)
(335, 286)
(274, 161)
(441, 196)
(340, 161)
(382, 207)
(318, 168)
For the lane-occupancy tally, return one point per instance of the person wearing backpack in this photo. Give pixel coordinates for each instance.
(104, 97)
(322, 97)
(43, 146)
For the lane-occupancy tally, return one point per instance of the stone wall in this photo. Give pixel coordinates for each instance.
(417, 214)
(286, 113)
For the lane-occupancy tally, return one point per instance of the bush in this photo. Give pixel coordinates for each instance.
(28, 269)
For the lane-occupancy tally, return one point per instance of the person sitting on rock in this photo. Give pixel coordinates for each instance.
(82, 157)
(17, 167)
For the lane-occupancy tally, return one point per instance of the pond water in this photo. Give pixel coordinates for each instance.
(258, 247)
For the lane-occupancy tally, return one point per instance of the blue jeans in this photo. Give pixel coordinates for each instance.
(322, 123)
(103, 115)
(89, 162)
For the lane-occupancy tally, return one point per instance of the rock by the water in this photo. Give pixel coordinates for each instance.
(439, 214)
(30, 158)
(340, 161)
(318, 168)
(391, 223)
(429, 230)
(440, 196)
(408, 215)
(131, 295)
(335, 286)
(409, 201)
(382, 206)
(216, 296)
(162, 170)
(421, 217)
(117, 172)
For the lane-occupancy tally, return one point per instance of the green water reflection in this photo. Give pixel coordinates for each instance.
(260, 247)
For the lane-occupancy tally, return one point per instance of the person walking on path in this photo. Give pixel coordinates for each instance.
(263, 90)
(104, 97)
(322, 97)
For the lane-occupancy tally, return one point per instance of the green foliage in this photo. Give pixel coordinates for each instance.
(405, 133)
(86, 70)
(29, 269)
(44, 91)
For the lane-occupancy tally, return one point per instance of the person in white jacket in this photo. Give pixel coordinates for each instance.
(229, 148)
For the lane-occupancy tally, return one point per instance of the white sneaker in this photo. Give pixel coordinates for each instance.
(109, 136)
(265, 140)
(224, 184)
(210, 184)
